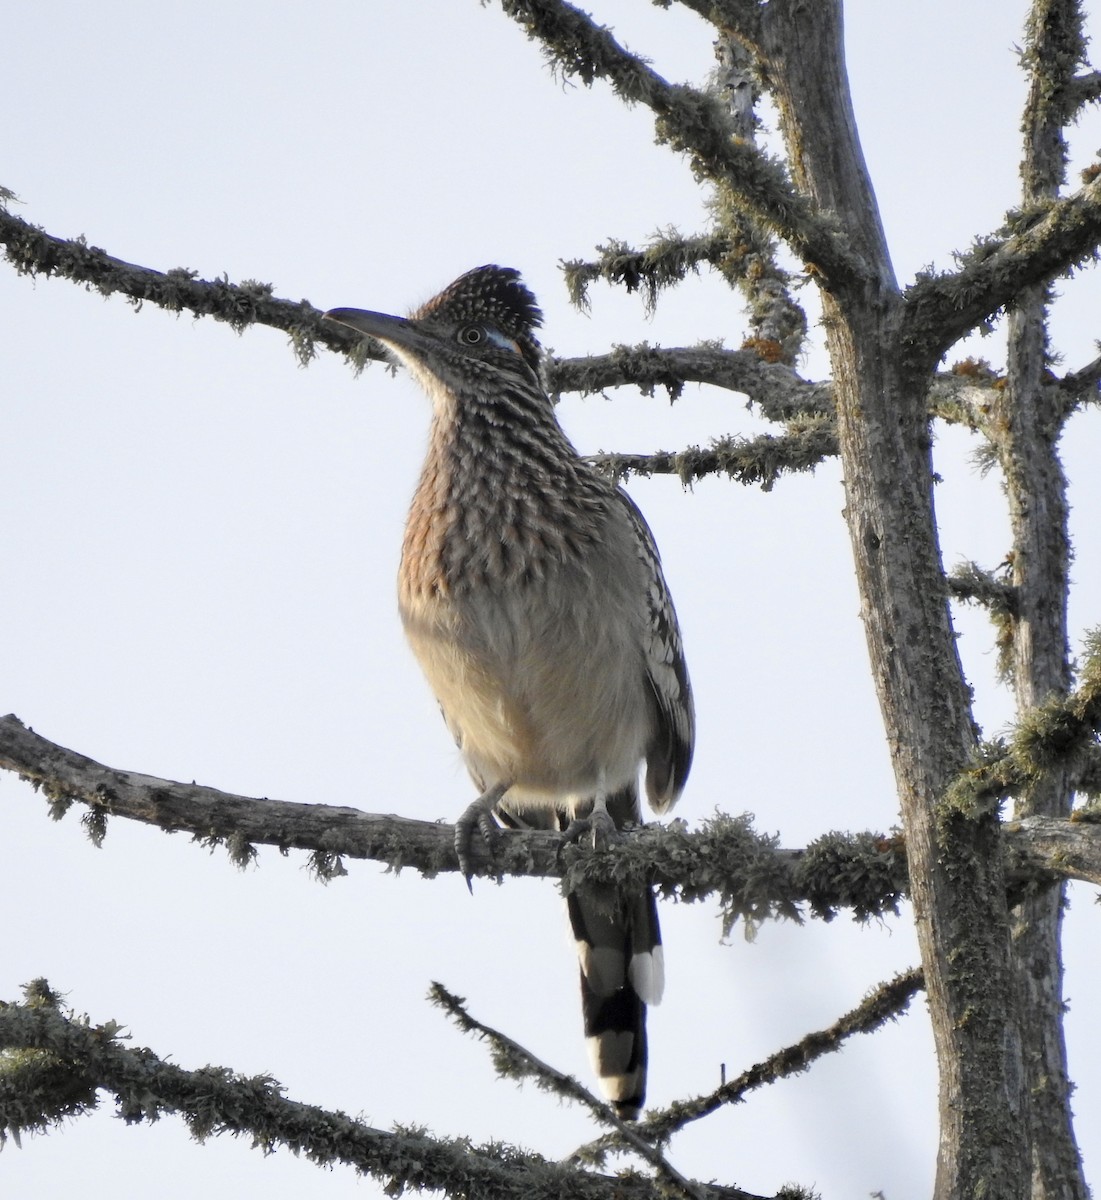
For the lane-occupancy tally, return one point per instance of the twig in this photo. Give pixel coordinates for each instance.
(513, 1061)
(884, 1004)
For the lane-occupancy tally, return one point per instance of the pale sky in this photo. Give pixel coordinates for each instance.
(201, 540)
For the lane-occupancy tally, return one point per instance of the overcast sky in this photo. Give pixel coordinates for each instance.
(200, 540)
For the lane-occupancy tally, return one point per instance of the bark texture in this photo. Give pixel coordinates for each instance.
(955, 856)
(1027, 423)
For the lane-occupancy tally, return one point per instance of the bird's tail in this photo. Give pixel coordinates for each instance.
(619, 947)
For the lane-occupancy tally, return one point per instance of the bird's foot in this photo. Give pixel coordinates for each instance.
(598, 824)
(478, 815)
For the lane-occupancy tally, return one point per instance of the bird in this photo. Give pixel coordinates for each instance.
(531, 592)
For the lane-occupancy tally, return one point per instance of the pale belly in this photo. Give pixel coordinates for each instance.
(554, 703)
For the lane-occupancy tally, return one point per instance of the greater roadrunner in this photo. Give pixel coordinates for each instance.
(532, 594)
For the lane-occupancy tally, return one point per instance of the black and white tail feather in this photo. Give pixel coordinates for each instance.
(622, 971)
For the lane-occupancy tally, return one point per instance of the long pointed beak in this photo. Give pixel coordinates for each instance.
(377, 325)
(396, 333)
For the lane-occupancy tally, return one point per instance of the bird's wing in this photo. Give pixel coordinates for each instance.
(669, 756)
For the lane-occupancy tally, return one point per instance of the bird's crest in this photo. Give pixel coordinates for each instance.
(493, 296)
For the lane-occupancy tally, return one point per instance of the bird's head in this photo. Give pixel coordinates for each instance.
(487, 316)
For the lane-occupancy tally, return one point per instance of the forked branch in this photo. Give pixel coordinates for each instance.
(64, 1064)
(694, 123)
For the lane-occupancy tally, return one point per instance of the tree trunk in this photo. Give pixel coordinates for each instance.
(1027, 423)
(954, 854)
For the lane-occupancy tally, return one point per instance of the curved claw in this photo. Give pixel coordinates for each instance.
(598, 823)
(478, 815)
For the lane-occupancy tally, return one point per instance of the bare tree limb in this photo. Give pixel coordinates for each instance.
(1068, 849)
(513, 1061)
(775, 388)
(64, 1061)
(775, 318)
(1089, 777)
(761, 460)
(667, 260)
(743, 254)
(778, 390)
(886, 1002)
(823, 150)
(34, 252)
(1034, 248)
(1085, 89)
(963, 394)
(970, 583)
(1082, 386)
(1055, 49)
(1028, 416)
(1059, 734)
(696, 124)
(31, 251)
(754, 879)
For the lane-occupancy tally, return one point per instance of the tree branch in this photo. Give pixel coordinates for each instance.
(754, 879)
(1055, 48)
(1052, 846)
(743, 254)
(695, 124)
(71, 1059)
(667, 260)
(34, 252)
(970, 583)
(1028, 415)
(1059, 734)
(962, 395)
(760, 460)
(1082, 386)
(801, 55)
(778, 390)
(883, 1004)
(1035, 247)
(775, 387)
(775, 318)
(1085, 89)
(1089, 778)
(513, 1061)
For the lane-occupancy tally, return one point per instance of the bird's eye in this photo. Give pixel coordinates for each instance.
(471, 335)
